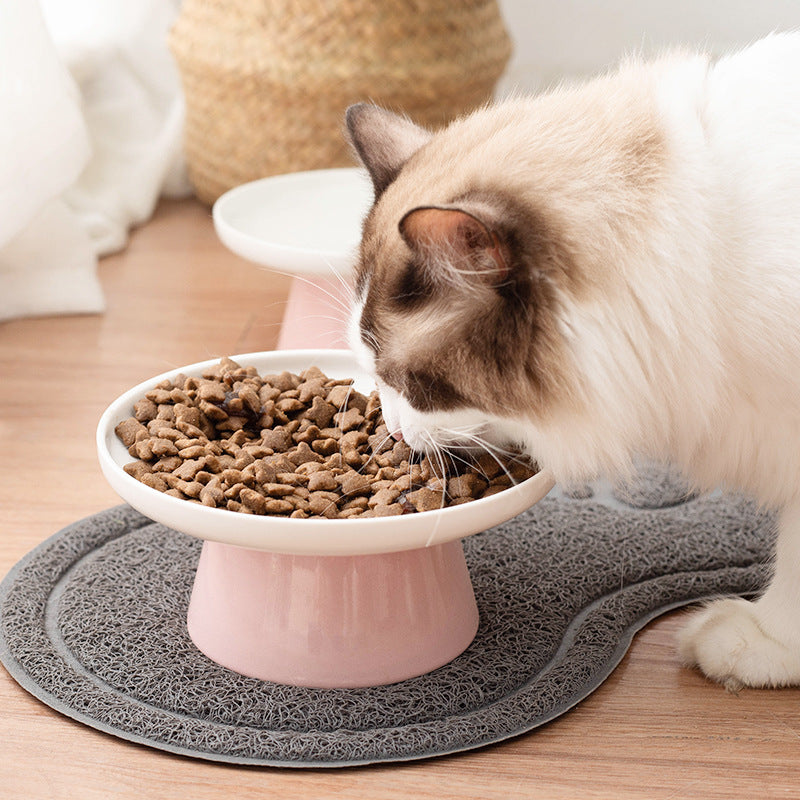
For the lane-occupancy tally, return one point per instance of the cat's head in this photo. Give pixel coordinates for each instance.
(456, 292)
(511, 282)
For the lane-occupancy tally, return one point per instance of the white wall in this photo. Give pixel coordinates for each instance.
(553, 38)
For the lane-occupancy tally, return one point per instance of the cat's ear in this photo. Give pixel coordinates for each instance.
(457, 241)
(384, 141)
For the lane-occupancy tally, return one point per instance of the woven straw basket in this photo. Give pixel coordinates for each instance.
(267, 81)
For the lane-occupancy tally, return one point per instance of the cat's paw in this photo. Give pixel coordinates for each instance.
(728, 642)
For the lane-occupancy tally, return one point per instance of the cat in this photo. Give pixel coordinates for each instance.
(606, 270)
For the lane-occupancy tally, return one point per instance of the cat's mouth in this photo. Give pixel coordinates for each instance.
(429, 439)
(466, 431)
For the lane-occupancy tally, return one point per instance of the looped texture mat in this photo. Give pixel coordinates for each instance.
(93, 624)
(267, 82)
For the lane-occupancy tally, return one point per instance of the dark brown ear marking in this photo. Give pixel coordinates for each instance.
(451, 235)
(383, 141)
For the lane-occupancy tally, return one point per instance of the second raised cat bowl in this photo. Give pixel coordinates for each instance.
(317, 602)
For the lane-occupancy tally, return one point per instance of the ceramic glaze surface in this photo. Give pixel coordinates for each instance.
(305, 223)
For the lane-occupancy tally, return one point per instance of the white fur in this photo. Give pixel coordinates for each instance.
(692, 354)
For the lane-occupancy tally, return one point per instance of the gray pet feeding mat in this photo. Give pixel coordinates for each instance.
(94, 625)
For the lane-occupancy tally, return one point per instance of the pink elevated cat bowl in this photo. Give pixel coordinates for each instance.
(322, 603)
(318, 602)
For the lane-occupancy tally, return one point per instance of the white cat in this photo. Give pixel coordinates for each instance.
(607, 270)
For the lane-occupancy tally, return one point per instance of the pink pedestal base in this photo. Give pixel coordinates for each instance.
(332, 621)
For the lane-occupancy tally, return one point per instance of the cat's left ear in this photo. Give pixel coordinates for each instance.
(384, 141)
(457, 241)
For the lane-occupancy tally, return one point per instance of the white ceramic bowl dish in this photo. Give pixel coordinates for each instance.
(301, 536)
(304, 223)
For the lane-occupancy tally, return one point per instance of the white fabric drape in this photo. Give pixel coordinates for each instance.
(91, 120)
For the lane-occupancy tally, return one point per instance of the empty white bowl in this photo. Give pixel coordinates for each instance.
(306, 223)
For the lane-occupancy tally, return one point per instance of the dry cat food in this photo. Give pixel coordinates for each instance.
(292, 445)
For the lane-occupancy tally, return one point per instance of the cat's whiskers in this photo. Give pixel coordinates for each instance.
(370, 338)
(335, 334)
(345, 284)
(343, 305)
(494, 451)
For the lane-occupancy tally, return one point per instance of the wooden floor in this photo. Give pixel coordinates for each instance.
(175, 296)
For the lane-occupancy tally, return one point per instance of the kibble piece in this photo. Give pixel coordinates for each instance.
(283, 381)
(154, 481)
(179, 396)
(339, 396)
(309, 389)
(323, 503)
(143, 450)
(309, 434)
(144, 410)
(249, 396)
(321, 412)
(263, 472)
(187, 413)
(213, 413)
(189, 430)
(437, 484)
(167, 464)
(289, 405)
(303, 453)
(384, 497)
(158, 396)
(426, 499)
(163, 429)
(322, 480)
(293, 478)
(488, 465)
(251, 499)
(467, 485)
(361, 503)
(278, 439)
(400, 452)
(353, 439)
(190, 468)
(353, 458)
(393, 510)
(273, 506)
(297, 501)
(280, 463)
(212, 391)
(325, 447)
(348, 420)
(127, 430)
(278, 489)
(257, 450)
(190, 488)
(211, 495)
(163, 447)
(353, 483)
